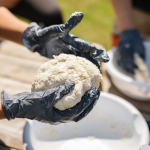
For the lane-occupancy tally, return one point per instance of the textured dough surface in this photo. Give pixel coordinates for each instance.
(67, 68)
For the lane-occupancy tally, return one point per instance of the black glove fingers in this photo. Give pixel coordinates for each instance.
(100, 55)
(63, 90)
(79, 52)
(89, 96)
(51, 96)
(52, 31)
(76, 44)
(88, 109)
(86, 48)
(140, 49)
(91, 50)
(73, 20)
(86, 100)
(83, 46)
(58, 30)
(72, 48)
(127, 66)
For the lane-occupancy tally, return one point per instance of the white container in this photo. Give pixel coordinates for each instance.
(126, 84)
(113, 124)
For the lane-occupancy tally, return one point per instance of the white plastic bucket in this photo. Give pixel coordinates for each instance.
(126, 84)
(113, 124)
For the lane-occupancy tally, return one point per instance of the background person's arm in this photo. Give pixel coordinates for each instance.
(124, 14)
(2, 115)
(9, 3)
(11, 28)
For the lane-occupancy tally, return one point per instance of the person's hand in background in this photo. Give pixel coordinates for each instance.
(130, 43)
(130, 39)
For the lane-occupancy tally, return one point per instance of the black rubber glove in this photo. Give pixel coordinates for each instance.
(130, 43)
(83, 108)
(40, 105)
(55, 39)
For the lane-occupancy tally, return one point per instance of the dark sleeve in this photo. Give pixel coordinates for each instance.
(143, 5)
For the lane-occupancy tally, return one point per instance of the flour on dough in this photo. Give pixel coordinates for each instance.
(67, 68)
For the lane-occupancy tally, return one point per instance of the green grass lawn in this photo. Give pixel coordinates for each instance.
(97, 24)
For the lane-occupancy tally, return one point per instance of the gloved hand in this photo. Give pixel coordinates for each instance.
(56, 39)
(40, 105)
(130, 43)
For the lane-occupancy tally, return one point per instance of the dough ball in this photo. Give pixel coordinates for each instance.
(67, 68)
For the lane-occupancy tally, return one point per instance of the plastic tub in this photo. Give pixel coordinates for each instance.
(113, 124)
(126, 84)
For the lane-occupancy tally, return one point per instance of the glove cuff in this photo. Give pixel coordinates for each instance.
(30, 38)
(9, 107)
(130, 34)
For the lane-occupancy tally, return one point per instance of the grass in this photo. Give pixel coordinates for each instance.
(97, 24)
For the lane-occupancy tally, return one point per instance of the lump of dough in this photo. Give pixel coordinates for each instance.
(67, 68)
